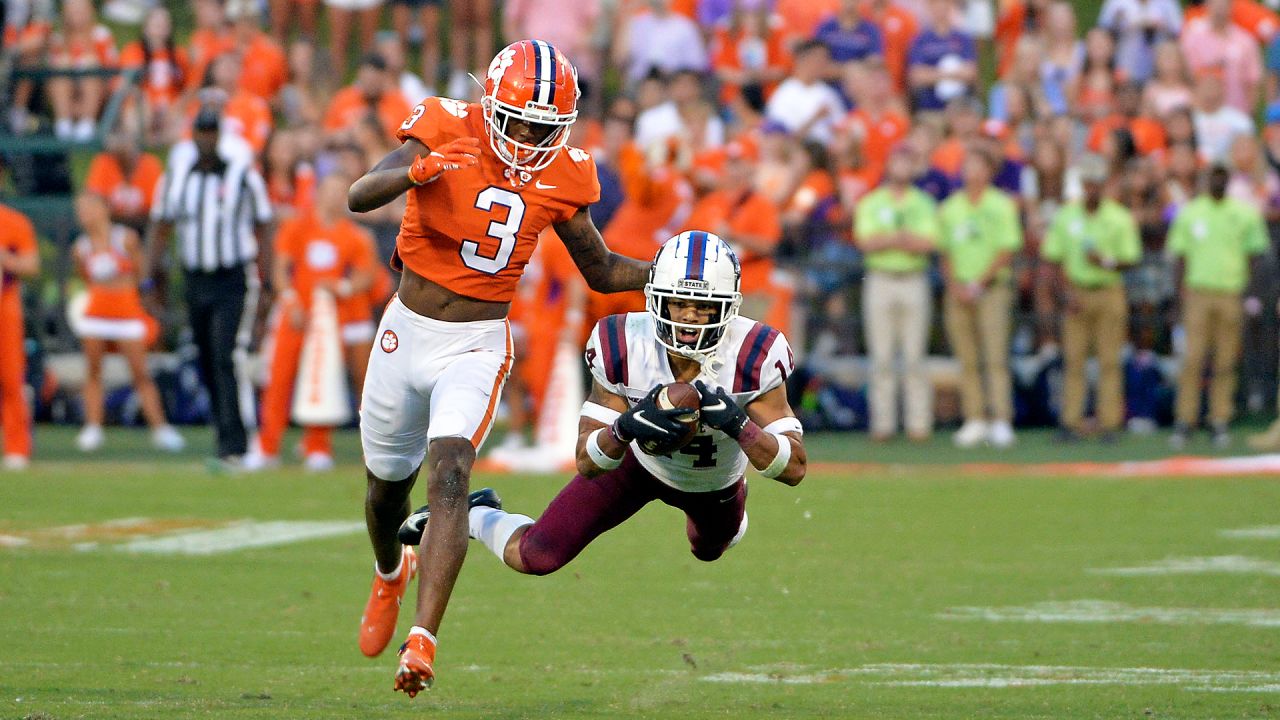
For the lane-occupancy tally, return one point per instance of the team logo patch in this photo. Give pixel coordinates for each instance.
(389, 341)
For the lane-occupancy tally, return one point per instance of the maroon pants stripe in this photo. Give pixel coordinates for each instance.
(589, 507)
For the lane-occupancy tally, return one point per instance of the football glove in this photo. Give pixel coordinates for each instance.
(720, 411)
(646, 422)
(455, 154)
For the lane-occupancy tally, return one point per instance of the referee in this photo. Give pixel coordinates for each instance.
(216, 201)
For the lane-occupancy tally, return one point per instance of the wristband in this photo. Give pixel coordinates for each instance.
(415, 182)
(785, 425)
(598, 455)
(599, 413)
(781, 460)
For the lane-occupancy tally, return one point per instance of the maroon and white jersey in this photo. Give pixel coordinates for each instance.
(625, 358)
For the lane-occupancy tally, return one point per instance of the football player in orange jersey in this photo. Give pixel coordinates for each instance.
(443, 350)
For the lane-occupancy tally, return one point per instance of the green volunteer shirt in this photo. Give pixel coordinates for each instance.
(973, 236)
(880, 212)
(1111, 231)
(1215, 239)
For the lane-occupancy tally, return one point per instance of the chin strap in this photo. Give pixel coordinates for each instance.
(711, 363)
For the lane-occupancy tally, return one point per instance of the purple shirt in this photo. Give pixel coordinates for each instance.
(862, 41)
(928, 49)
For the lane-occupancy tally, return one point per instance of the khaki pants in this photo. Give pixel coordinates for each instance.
(1211, 319)
(895, 319)
(979, 334)
(1100, 324)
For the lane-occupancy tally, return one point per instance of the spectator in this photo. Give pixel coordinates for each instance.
(978, 235)
(1216, 123)
(304, 97)
(19, 259)
(27, 30)
(679, 115)
(1094, 89)
(391, 49)
(1140, 26)
(1018, 19)
(109, 258)
(964, 124)
(1182, 178)
(1258, 19)
(1091, 242)
(343, 14)
(1023, 76)
(898, 28)
(164, 68)
(1214, 44)
(1150, 284)
(373, 92)
(942, 62)
(896, 228)
(748, 54)
(290, 176)
(1063, 57)
(849, 37)
(801, 18)
(264, 69)
(804, 104)
(211, 38)
(751, 224)
(1253, 182)
(80, 44)
(1214, 240)
(1148, 133)
(470, 29)
(423, 31)
(876, 123)
(321, 251)
(243, 113)
(1170, 87)
(659, 40)
(126, 178)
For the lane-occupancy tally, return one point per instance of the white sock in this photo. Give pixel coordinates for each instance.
(495, 527)
(391, 576)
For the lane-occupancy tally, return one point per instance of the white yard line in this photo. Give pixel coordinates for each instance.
(1011, 676)
(240, 536)
(1260, 532)
(1098, 611)
(1237, 564)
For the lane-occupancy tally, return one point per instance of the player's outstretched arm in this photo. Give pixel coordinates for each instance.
(407, 166)
(607, 426)
(766, 430)
(605, 271)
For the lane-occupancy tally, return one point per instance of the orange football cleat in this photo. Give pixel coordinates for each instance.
(378, 623)
(416, 655)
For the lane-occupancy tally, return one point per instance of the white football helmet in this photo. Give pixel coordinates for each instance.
(694, 265)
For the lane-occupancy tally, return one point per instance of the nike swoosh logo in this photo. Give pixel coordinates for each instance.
(720, 405)
(540, 186)
(640, 417)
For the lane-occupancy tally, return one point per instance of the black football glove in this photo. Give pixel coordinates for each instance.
(646, 422)
(720, 411)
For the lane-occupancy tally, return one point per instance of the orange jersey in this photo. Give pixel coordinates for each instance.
(655, 204)
(163, 76)
(879, 134)
(747, 213)
(349, 107)
(1250, 15)
(298, 192)
(802, 17)
(1148, 134)
(264, 69)
(320, 253)
(109, 274)
(205, 46)
(129, 195)
(17, 236)
(471, 231)
(898, 27)
(737, 51)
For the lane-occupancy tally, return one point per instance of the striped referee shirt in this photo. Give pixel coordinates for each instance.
(213, 210)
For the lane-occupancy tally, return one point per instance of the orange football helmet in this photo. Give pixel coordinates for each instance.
(533, 82)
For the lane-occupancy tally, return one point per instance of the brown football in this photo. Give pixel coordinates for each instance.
(677, 395)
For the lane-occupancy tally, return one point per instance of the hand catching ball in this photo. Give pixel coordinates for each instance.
(673, 396)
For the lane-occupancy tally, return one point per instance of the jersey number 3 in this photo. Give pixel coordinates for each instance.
(503, 232)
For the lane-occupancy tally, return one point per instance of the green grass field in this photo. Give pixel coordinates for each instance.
(908, 593)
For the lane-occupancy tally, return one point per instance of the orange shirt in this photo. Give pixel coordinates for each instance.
(126, 195)
(161, 83)
(109, 274)
(747, 213)
(816, 187)
(1010, 25)
(949, 157)
(472, 230)
(18, 236)
(349, 106)
(898, 27)
(655, 204)
(248, 116)
(318, 252)
(736, 51)
(205, 46)
(802, 17)
(264, 69)
(298, 193)
(96, 50)
(879, 134)
(1148, 134)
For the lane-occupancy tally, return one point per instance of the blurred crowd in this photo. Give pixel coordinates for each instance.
(1003, 167)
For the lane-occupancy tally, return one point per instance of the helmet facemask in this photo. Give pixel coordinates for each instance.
(708, 335)
(524, 157)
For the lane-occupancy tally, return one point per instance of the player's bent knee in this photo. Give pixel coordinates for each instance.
(390, 469)
(540, 557)
(451, 461)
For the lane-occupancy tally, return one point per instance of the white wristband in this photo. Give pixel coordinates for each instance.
(781, 460)
(597, 455)
(598, 412)
(784, 425)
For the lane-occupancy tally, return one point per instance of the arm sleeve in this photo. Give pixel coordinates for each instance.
(596, 361)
